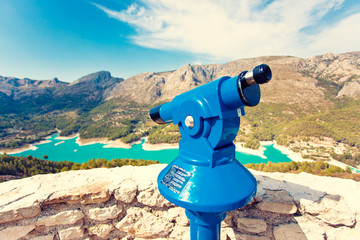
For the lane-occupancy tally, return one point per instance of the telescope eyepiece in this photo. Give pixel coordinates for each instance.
(262, 74)
(248, 82)
(259, 75)
(155, 115)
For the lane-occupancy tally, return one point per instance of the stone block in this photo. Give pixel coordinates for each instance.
(289, 232)
(179, 232)
(240, 236)
(16, 232)
(277, 202)
(314, 230)
(152, 197)
(332, 210)
(251, 225)
(45, 237)
(101, 230)
(94, 192)
(343, 233)
(144, 224)
(19, 210)
(178, 215)
(103, 214)
(62, 218)
(127, 191)
(71, 233)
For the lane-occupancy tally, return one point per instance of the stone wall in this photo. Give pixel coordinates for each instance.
(124, 203)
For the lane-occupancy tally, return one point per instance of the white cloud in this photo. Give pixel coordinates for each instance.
(231, 29)
(343, 37)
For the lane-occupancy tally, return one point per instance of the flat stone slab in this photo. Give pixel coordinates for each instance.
(16, 232)
(289, 232)
(105, 213)
(144, 224)
(251, 225)
(277, 202)
(71, 233)
(62, 218)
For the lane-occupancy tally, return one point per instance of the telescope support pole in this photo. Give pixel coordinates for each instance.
(205, 226)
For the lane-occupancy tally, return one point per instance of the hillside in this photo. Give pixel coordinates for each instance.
(34, 96)
(124, 203)
(311, 105)
(295, 80)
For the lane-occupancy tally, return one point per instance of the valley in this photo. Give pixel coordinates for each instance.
(311, 106)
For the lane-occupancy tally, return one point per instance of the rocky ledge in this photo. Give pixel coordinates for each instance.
(124, 204)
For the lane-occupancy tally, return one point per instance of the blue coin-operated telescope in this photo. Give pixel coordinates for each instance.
(205, 178)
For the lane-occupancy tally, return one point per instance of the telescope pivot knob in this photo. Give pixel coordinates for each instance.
(189, 121)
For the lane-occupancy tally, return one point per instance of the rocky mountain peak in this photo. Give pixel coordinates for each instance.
(92, 88)
(23, 87)
(328, 56)
(100, 77)
(295, 80)
(55, 80)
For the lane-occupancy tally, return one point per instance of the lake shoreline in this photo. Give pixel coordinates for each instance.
(160, 146)
(146, 146)
(28, 147)
(157, 147)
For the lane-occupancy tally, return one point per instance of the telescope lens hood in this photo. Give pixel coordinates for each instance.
(262, 74)
(155, 115)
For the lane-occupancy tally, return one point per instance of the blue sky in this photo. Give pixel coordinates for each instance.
(42, 39)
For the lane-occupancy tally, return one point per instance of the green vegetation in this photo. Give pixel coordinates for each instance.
(47, 102)
(20, 143)
(331, 87)
(131, 138)
(113, 119)
(287, 124)
(348, 158)
(29, 166)
(252, 143)
(129, 121)
(343, 125)
(164, 134)
(317, 168)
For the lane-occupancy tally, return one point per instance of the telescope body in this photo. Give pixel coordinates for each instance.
(206, 179)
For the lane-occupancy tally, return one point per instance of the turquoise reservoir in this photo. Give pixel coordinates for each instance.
(69, 150)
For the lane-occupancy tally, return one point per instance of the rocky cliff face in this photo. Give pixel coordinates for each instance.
(95, 86)
(295, 80)
(18, 88)
(124, 203)
(304, 81)
(20, 95)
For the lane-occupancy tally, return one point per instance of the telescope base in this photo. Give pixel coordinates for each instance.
(205, 226)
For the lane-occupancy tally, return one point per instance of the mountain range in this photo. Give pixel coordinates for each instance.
(295, 80)
(309, 83)
(308, 97)
(18, 95)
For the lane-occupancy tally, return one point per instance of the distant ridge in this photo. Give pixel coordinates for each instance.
(48, 95)
(294, 79)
